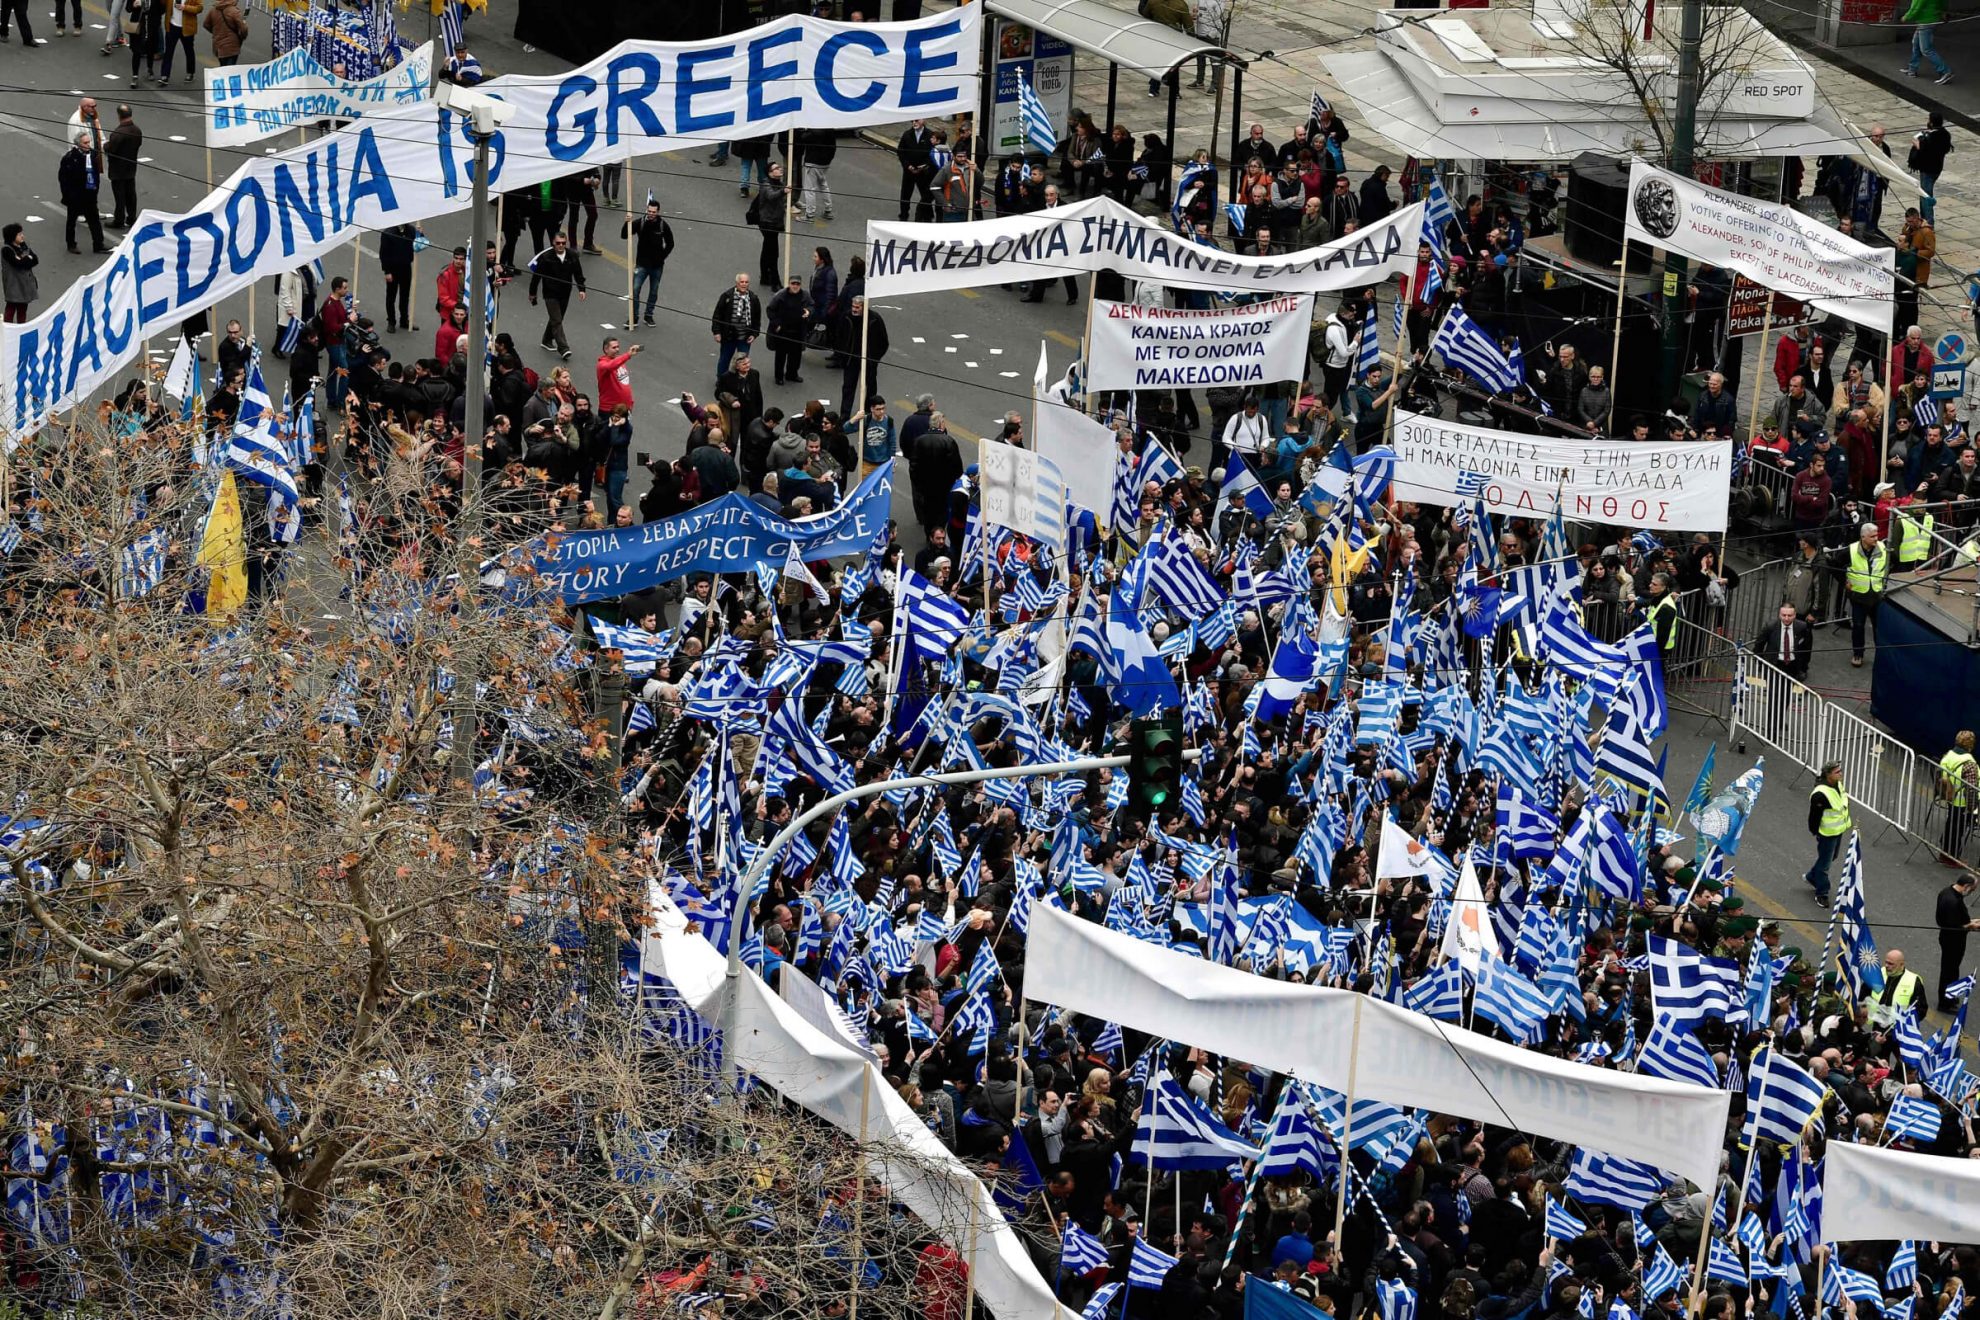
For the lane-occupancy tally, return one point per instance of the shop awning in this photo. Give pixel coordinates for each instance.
(1138, 45)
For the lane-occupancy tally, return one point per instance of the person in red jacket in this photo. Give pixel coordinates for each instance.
(451, 287)
(941, 1282)
(614, 381)
(1789, 354)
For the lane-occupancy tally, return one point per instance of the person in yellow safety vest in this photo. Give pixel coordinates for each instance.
(1914, 538)
(1829, 822)
(1901, 990)
(1959, 785)
(1866, 565)
(1661, 612)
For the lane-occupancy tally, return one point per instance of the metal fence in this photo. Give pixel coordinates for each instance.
(1882, 775)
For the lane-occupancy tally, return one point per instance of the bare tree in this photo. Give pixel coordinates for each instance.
(1643, 69)
(310, 931)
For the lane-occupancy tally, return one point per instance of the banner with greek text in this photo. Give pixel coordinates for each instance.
(1169, 348)
(1370, 1049)
(1772, 245)
(730, 535)
(1101, 234)
(1664, 487)
(1880, 1195)
(248, 102)
(411, 163)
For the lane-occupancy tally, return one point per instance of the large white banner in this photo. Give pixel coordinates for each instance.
(1101, 234)
(277, 212)
(1770, 244)
(248, 102)
(814, 1069)
(1665, 487)
(1872, 1194)
(1404, 1058)
(1134, 347)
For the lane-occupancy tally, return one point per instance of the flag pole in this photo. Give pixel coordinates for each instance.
(1395, 381)
(969, 1264)
(1615, 353)
(1760, 373)
(859, 1195)
(1347, 1124)
(790, 195)
(1753, 1151)
(897, 651)
(632, 294)
(1085, 349)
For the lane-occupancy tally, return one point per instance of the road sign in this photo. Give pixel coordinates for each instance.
(1949, 380)
(1746, 310)
(1950, 348)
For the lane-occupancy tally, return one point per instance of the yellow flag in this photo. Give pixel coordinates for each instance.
(223, 551)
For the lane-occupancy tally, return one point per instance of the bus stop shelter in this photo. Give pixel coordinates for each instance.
(1143, 47)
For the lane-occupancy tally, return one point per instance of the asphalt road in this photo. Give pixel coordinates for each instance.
(973, 350)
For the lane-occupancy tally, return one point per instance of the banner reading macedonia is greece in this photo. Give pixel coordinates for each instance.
(1661, 486)
(1101, 234)
(409, 164)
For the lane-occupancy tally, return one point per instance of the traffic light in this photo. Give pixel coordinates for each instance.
(1155, 761)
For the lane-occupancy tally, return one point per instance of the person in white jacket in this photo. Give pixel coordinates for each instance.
(295, 299)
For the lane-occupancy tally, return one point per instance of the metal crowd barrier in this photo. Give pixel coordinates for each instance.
(1883, 776)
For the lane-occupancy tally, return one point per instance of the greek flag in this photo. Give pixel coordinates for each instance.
(1525, 830)
(1781, 1099)
(1039, 134)
(450, 26)
(1368, 355)
(1463, 345)
(1605, 1180)
(141, 565)
(935, 624)
(1913, 1118)
(1395, 1300)
(1562, 1223)
(1296, 1141)
(10, 536)
(1173, 571)
(1234, 216)
(1175, 1132)
(1157, 465)
(1079, 1250)
(1840, 1281)
(1148, 1265)
(1662, 1275)
(1676, 1055)
(1508, 999)
(1102, 1303)
(285, 343)
(1438, 993)
(1722, 1262)
(1903, 1271)
(1688, 986)
(1625, 753)
(256, 454)
(1925, 413)
(1438, 216)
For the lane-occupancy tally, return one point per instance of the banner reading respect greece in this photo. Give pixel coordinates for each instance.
(406, 164)
(730, 535)
(1170, 348)
(1101, 234)
(246, 103)
(1769, 244)
(1664, 487)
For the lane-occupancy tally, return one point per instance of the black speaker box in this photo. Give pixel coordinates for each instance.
(1597, 193)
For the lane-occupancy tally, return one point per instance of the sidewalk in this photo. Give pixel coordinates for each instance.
(1298, 32)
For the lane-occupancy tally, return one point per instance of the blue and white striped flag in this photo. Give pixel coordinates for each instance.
(1039, 134)
(1175, 1132)
(1913, 1118)
(1676, 1055)
(1296, 1141)
(1903, 1271)
(1562, 1223)
(1368, 355)
(1689, 987)
(141, 565)
(451, 19)
(1781, 1099)
(1463, 345)
(1606, 1180)
(1080, 1251)
(1438, 216)
(291, 336)
(1148, 1265)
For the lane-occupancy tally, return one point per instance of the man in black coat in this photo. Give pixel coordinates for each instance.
(1786, 644)
(934, 464)
(875, 341)
(916, 150)
(736, 322)
(81, 175)
(553, 274)
(120, 151)
(1953, 921)
(653, 243)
